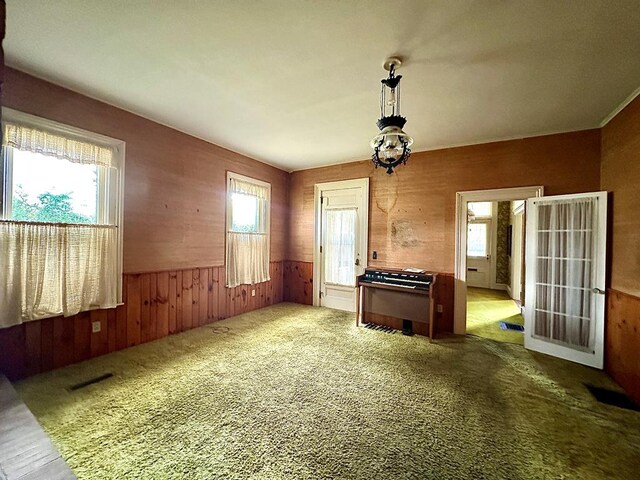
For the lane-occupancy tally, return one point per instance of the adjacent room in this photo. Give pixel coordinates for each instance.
(495, 267)
(319, 240)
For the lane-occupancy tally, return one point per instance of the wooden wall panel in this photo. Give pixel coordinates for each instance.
(162, 302)
(175, 184)
(173, 302)
(33, 347)
(145, 309)
(621, 177)
(112, 329)
(156, 305)
(99, 342)
(187, 299)
(46, 345)
(443, 296)
(63, 341)
(412, 212)
(82, 336)
(13, 359)
(622, 345)
(132, 283)
(298, 282)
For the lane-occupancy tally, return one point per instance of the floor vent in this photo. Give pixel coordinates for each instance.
(511, 326)
(611, 397)
(91, 381)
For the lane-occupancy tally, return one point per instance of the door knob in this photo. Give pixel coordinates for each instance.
(597, 290)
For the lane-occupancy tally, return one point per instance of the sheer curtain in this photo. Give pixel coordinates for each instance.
(52, 269)
(247, 244)
(564, 272)
(341, 247)
(49, 269)
(33, 139)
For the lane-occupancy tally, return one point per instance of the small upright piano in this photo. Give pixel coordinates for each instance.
(396, 293)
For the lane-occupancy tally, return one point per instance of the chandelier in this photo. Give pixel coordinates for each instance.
(391, 145)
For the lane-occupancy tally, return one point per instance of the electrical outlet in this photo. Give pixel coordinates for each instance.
(96, 327)
(253, 293)
(374, 255)
(440, 308)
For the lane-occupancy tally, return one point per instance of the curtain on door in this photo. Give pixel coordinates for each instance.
(564, 272)
(340, 242)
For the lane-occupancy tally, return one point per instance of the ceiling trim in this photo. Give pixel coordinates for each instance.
(620, 107)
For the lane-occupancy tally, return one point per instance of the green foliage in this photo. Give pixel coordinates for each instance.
(50, 207)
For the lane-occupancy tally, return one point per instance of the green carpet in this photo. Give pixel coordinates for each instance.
(486, 309)
(299, 392)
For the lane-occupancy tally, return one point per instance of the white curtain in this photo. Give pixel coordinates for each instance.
(248, 249)
(54, 269)
(341, 247)
(31, 139)
(564, 271)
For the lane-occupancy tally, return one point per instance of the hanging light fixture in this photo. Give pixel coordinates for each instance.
(391, 145)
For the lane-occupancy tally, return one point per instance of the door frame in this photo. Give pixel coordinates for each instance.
(518, 233)
(460, 274)
(318, 188)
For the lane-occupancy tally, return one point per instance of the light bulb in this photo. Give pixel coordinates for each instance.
(392, 97)
(391, 141)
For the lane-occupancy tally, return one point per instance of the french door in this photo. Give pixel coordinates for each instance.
(565, 276)
(342, 253)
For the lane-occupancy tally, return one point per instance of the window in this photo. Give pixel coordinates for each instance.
(480, 209)
(244, 213)
(248, 227)
(477, 244)
(60, 207)
(340, 255)
(47, 189)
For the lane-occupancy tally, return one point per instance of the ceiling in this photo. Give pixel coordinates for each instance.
(295, 83)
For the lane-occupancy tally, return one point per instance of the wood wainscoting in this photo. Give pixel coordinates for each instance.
(622, 347)
(298, 282)
(155, 305)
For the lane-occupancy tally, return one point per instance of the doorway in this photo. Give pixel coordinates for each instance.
(340, 250)
(494, 270)
(565, 271)
(497, 287)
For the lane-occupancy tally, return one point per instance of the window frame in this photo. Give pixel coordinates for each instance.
(229, 203)
(229, 209)
(110, 199)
